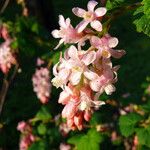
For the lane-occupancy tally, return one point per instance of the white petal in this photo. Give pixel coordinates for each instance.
(100, 11)
(75, 77)
(109, 89)
(68, 22)
(91, 5)
(72, 52)
(62, 22)
(95, 85)
(55, 34)
(78, 11)
(96, 25)
(81, 26)
(113, 42)
(90, 75)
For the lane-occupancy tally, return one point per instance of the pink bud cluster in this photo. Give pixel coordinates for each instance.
(7, 58)
(85, 74)
(41, 83)
(27, 138)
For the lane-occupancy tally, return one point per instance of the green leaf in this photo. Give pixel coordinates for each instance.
(144, 136)
(143, 24)
(111, 4)
(42, 129)
(40, 145)
(128, 122)
(90, 141)
(43, 114)
(146, 6)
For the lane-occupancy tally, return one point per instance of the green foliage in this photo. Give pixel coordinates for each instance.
(127, 123)
(144, 136)
(90, 141)
(142, 20)
(40, 145)
(43, 114)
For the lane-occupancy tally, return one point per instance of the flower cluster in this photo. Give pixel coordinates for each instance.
(7, 58)
(41, 83)
(27, 137)
(85, 74)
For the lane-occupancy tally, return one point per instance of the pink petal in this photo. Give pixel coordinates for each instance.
(95, 85)
(89, 58)
(69, 110)
(81, 26)
(75, 77)
(95, 41)
(64, 97)
(62, 22)
(55, 34)
(68, 22)
(100, 11)
(78, 11)
(72, 52)
(112, 42)
(90, 75)
(117, 53)
(91, 5)
(96, 25)
(63, 74)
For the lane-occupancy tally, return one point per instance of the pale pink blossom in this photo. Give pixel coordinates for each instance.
(22, 126)
(7, 58)
(90, 16)
(27, 137)
(73, 66)
(67, 33)
(105, 46)
(41, 84)
(64, 146)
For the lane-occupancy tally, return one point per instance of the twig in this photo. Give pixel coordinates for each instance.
(5, 86)
(4, 6)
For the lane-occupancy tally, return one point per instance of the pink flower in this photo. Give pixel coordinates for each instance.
(79, 105)
(64, 146)
(73, 67)
(26, 141)
(6, 57)
(104, 82)
(67, 33)
(41, 84)
(90, 16)
(4, 32)
(22, 126)
(105, 45)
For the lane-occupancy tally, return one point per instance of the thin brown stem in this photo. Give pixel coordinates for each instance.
(4, 6)
(5, 87)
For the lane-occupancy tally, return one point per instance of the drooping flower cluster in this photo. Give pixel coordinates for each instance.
(85, 74)
(41, 83)
(7, 58)
(27, 138)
